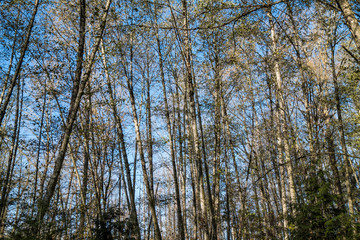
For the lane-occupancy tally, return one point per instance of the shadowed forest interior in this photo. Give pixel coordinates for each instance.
(179, 119)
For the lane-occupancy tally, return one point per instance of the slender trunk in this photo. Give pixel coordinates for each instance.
(149, 128)
(5, 85)
(273, 147)
(282, 120)
(194, 130)
(172, 147)
(6, 184)
(19, 64)
(84, 185)
(350, 20)
(332, 157)
(39, 146)
(217, 155)
(139, 143)
(181, 155)
(214, 205)
(47, 155)
(149, 137)
(229, 142)
(282, 175)
(120, 134)
(347, 162)
(299, 50)
(74, 106)
(227, 197)
(214, 225)
(281, 140)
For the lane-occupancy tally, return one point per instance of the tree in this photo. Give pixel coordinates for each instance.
(179, 120)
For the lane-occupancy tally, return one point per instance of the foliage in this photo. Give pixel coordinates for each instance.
(113, 224)
(320, 216)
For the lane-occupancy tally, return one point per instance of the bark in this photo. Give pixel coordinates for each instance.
(282, 176)
(350, 20)
(84, 185)
(282, 141)
(217, 155)
(227, 197)
(149, 133)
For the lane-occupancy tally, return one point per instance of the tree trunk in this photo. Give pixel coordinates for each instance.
(139, 143)
(133, 212)
(171, 137)
(347, 162)
(74, 105)
(19, 64)
(6, 184)
(350, 20)
(283, 144)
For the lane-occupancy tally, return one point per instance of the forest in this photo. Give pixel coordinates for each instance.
(179, 119)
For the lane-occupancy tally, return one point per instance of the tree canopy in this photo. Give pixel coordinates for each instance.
(209, 119)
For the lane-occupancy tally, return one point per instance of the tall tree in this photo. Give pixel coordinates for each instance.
(77, 93)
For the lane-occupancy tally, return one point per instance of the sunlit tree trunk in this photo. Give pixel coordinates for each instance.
(171, 143)
(149, 191)
(79, 87)
(351, 20)
(282, 133)
(122, 147)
